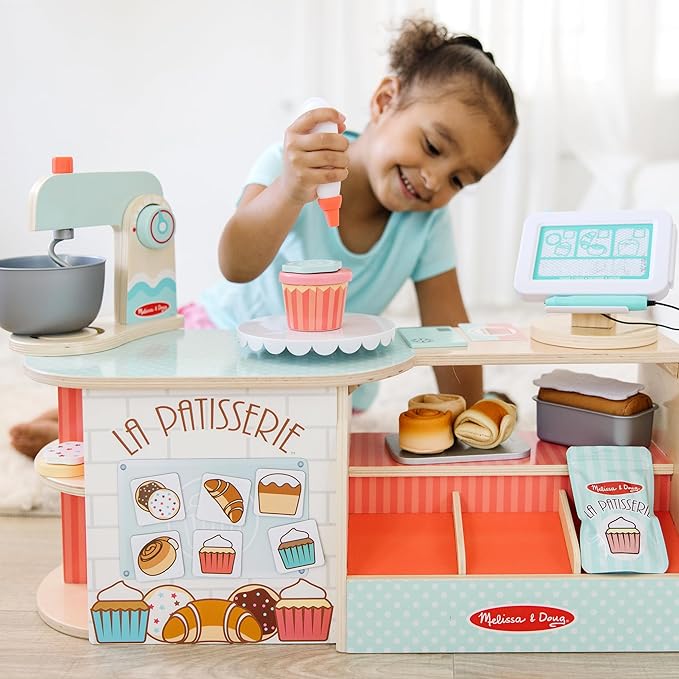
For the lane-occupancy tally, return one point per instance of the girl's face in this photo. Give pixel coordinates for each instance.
(422, 155)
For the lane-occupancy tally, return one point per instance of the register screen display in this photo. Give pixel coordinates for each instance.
(593, 252)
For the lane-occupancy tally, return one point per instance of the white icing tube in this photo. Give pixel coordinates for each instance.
(329, 197)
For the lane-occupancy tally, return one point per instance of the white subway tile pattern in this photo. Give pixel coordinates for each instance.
(107, 411)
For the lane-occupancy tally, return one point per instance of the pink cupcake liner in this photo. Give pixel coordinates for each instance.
(216, 562)
(623, 543)
(303, 624)
(315, 309)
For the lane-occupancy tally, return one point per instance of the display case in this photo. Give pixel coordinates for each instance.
(464, 557)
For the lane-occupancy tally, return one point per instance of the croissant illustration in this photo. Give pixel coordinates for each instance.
(226, 495)
(211, 620)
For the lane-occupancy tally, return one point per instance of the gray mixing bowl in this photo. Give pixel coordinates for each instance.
(37, 297)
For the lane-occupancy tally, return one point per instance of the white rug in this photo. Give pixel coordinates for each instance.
(23, 492)
(21, 489)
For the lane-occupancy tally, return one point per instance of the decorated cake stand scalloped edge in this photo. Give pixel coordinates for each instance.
(321, 343)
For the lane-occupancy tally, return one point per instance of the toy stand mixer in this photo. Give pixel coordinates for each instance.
(49, 302)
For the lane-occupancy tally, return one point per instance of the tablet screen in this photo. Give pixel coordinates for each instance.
(582, 252)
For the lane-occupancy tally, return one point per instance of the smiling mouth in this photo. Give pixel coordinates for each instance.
(410, 189)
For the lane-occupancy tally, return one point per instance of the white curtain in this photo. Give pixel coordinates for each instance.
(597, 95)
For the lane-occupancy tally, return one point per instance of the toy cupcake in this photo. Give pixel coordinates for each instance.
(217, 556)
(303, 613)
(120, 615)
(297, 549)
(314, 293)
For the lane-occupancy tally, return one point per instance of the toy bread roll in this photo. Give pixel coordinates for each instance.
(425, 431)
(487, 424)
(226, 495)
(211, 620)
(442, 402)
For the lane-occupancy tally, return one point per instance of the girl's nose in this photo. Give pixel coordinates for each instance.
(431, 181)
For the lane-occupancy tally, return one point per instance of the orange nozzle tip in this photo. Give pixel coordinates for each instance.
(330, 207)
(62, 165)
(332, 217)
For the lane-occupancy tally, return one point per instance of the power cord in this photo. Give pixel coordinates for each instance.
(649, 303)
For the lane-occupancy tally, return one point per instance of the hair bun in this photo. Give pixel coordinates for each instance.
(469, 41)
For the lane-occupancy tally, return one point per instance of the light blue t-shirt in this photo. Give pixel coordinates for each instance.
(416, 245)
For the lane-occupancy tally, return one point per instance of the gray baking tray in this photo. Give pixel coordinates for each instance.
(512, 449)
(570, 426)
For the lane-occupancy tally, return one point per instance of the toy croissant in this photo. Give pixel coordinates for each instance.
(487, 424)
(211, 620)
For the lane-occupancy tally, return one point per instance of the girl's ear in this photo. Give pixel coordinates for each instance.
(384, 98)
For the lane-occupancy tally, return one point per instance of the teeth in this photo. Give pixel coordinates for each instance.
(409, 186)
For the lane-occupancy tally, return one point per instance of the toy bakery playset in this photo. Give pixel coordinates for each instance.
(212, 490)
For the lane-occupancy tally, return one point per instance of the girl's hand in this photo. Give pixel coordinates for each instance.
(313, 158)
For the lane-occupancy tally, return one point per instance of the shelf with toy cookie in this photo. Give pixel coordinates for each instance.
(61, 466)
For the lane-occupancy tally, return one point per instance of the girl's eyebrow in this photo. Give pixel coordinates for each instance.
(445, 133)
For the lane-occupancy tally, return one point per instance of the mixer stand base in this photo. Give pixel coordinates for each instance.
(97, 337)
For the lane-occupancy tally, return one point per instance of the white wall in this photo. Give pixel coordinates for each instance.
(194, 91)
(191, 91)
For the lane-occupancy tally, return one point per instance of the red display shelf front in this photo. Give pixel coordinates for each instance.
(671, 536)
(515, 544)
(401, 544)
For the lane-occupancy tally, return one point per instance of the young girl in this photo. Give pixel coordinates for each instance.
(442, 120)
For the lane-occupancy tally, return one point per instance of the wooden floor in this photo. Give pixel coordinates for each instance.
(29, 548)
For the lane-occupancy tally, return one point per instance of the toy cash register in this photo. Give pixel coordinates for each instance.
(591, 265)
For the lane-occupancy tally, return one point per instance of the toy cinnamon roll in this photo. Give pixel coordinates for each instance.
(452, 402)
(425, 431)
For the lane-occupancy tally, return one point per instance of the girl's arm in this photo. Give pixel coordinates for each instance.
(440, 303)
(265, 215)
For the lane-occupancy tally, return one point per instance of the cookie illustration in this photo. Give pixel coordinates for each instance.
(261, 602)
(163, 601)
(163, 504)
(144, 492)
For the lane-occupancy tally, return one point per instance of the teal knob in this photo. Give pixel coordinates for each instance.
(155, 227)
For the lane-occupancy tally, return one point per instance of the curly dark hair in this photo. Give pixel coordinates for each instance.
(426, 54)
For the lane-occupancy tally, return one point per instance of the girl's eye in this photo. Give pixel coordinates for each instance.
(431, 149)
(457, 182)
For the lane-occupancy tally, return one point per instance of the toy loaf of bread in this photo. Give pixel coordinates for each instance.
(632, 405)
(487, 424)
(211, 620)
(226, 495)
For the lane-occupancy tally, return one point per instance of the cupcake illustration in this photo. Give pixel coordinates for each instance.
(303, 613)
(279, 494)
(623, 536)
(120, 615)
(297, 549)
(217, 556)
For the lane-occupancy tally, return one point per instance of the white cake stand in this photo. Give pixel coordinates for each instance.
(272, 334)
